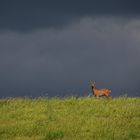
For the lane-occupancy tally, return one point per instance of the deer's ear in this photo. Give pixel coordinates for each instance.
(90, 81)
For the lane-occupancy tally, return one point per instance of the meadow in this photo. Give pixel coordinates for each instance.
(70, 119)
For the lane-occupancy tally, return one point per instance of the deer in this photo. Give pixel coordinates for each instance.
(99, 92)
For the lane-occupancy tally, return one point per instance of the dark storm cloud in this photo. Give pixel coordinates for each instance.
(100, 42)
(61, 62)
(27, 15)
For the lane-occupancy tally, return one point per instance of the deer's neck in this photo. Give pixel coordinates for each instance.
(93, 88)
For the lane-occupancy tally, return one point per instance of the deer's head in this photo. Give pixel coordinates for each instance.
(92, 83)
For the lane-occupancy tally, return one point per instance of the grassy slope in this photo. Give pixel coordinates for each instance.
(70, 119)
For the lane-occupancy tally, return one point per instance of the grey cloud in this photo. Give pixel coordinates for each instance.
(61, 62)
(27, 15)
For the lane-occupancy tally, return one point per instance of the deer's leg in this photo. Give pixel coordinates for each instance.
(97, 96)
(109, 97)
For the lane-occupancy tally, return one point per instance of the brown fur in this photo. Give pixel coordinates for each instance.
(99, 92)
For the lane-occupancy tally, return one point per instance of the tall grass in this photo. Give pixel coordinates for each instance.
(70, 119)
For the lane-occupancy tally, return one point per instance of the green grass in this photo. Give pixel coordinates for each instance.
(70, 119)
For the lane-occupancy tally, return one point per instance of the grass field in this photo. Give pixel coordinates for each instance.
(70, 119)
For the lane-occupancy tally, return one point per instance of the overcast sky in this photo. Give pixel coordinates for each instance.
(53, 48)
